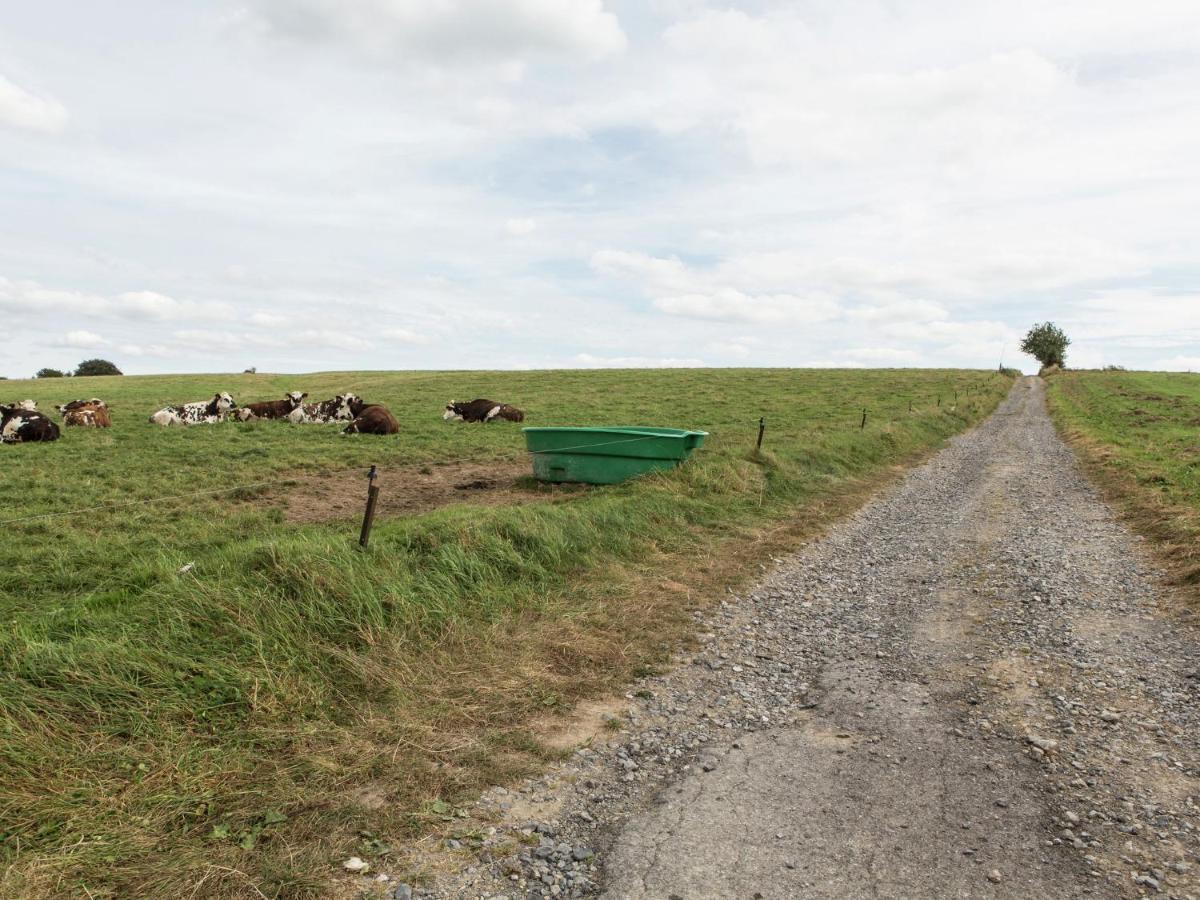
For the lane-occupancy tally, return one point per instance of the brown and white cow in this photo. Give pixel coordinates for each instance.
(19, 425)
(87, 413)
(481, 411)
(336, 409)
(271, 409)
(198, 413)
(373, 419)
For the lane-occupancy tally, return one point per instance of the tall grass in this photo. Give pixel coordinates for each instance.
(1136, 433)
(162, 728)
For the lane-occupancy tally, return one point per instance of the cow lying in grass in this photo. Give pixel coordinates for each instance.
(19, 425)
(27, 405)
(372, 419)
(481, 411)
(336, 409)
(198, 413)
(87, 413)
(272, 409)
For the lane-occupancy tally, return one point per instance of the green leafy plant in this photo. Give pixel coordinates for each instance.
(1047, 343)
(96, 367)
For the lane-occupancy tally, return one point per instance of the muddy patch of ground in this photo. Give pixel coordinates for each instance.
(412, 490)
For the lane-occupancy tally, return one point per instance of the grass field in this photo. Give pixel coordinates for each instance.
(1138, 433)
(290, 700)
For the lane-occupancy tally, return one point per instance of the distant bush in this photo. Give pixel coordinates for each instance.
(49, 373)
(96, 367)
(1114, 369)
(1011, 373)
(1046, 371)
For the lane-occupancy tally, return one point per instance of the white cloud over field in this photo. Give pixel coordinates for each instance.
(501, 183)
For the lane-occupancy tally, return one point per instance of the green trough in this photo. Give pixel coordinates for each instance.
(607, 455)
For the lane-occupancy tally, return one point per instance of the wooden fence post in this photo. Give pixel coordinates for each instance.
(369, 512)
(762, 426)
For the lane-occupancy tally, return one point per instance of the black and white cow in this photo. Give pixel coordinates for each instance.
(481, 411)
(19, 425)
(27, 405)
(337, 409)
(198, 413)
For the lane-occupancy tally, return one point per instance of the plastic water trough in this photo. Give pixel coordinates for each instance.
(607, 455)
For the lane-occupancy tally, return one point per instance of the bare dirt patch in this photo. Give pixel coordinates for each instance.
(412, 490)
(589, 721)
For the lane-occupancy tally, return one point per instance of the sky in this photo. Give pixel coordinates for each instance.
(302, 185)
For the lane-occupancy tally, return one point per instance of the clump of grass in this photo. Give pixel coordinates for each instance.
(195, 693)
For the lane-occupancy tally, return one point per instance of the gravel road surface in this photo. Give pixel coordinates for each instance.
(977, 686)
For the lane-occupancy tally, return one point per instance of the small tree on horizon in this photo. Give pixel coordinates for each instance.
(96, 367)
(1047, 343)
(49, 373)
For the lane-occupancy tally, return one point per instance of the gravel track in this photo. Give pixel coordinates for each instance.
(977, 686)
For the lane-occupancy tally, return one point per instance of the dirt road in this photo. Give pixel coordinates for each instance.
(975, 687)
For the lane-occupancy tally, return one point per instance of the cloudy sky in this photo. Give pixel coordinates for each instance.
(347, 184)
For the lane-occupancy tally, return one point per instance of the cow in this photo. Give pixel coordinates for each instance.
(88, 413)
(336, 409)
(198, 413)
(76, 404)
(481, 411)
(373, 419)
(27, 405)
(19, 425)
(271, 409)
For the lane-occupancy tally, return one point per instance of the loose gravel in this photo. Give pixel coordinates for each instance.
(977, 686)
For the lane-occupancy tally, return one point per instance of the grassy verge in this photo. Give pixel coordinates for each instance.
(1135, 433)
(288, 700)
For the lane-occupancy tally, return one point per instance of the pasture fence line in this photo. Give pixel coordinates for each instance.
(275, 481)
(465, 459)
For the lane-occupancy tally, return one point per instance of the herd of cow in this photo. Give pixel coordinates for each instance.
(21, 422)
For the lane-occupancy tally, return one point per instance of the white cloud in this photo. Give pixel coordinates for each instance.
(899, 309)
(266, 320)
(456, 30)
(153, 305)
(884, 355)
(590, 361)
(1179, 364)
(403, 336)
(738, 349)
(30, 297)
(19, 297)
(139, 350)
(679, 290)
(21, 109)
(518, 227)
(731, 305)
(328, 338)
(81, 338)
